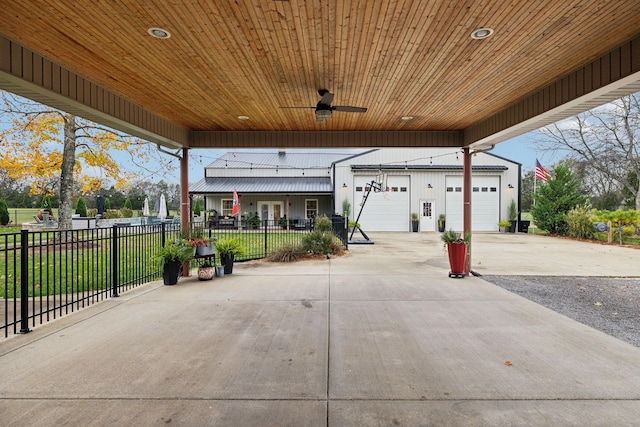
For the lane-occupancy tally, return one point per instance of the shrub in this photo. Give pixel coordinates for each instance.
(336, 247)
(4, 213)
(127, 203)
(92, 212)
(323, 224)
(346, 207)
(289, 253)
(111, 214)
(196, 207)
(318, 242)
(81, 207)
(580, 221)
(126, 213)
(513, 210)
(107, 204)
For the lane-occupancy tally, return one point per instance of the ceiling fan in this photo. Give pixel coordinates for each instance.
(324, 107)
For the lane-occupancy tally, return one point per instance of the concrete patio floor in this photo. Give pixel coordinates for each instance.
(379, 337)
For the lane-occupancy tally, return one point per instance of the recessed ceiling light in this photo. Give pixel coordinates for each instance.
(481, 33)
(243, 117)
(159, 33)
(407, 117)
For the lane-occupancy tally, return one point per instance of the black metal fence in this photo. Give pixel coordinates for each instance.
(261, 239)
(48, 274)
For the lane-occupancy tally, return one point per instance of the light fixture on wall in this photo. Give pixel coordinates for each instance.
(510, 187)
(429, 186)
(344, 186)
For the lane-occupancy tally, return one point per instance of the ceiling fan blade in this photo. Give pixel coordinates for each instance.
(296, 107)
(349, 109)
(327, 97)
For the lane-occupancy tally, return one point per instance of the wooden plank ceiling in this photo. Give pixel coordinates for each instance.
(397, 58)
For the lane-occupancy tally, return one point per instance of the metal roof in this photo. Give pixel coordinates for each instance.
(428, 167)
(281, 160)
(283, 185)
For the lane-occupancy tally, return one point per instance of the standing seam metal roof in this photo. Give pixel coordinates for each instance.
(288, 185)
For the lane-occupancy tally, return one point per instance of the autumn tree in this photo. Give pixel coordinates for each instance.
(605, 142)
(52, 149)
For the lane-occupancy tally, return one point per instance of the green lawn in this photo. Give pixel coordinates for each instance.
(22, 215)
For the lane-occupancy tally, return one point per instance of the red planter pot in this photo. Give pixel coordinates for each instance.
(457, 258)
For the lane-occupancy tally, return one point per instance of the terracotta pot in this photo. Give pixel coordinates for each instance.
(206, 273)
(457, 257)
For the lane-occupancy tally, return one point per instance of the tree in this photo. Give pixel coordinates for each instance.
(605, 143)
(4, 213)
(127, 203)
(555, 199)
(46, 202)
(196, 207)
(81, 207)
(51, 148)
(526, 186)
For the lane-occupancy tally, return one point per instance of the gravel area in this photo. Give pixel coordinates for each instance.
(611, 305)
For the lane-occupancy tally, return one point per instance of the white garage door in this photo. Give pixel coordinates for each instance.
(485, 203)
(385, 211)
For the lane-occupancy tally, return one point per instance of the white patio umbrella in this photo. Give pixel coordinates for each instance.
(145, 207)
(162, 209)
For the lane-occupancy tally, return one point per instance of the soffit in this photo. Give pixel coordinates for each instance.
(395, 57)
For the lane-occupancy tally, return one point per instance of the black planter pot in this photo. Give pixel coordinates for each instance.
(441, 226)
(512, 227)
(171, 272)
(414, 226)
(227, 261)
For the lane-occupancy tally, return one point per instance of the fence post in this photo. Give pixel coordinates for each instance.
(265, 237)
(24, 281)
(162, 234)
(114, 261)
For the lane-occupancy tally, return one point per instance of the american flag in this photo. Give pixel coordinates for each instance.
(541, 173)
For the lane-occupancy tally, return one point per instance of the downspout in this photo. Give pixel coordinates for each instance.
(333, 190)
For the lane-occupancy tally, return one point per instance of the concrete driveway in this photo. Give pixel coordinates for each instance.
(380, 337)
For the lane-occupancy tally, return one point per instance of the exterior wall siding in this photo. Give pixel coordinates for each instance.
(421, 179)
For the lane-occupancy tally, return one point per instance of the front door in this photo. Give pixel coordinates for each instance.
(427, 215)
(272, 211)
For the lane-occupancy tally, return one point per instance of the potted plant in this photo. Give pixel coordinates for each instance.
(513, 215)
(457, 248)
(206, 271)
(254, 221)
(229, 248)
(504, 225)
(171, 256)
(441, 222)
(204, 246)
(414, 222)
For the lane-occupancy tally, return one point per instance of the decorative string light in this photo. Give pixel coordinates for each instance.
(227, 162)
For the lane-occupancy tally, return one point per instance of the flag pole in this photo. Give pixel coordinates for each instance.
(535, 179)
